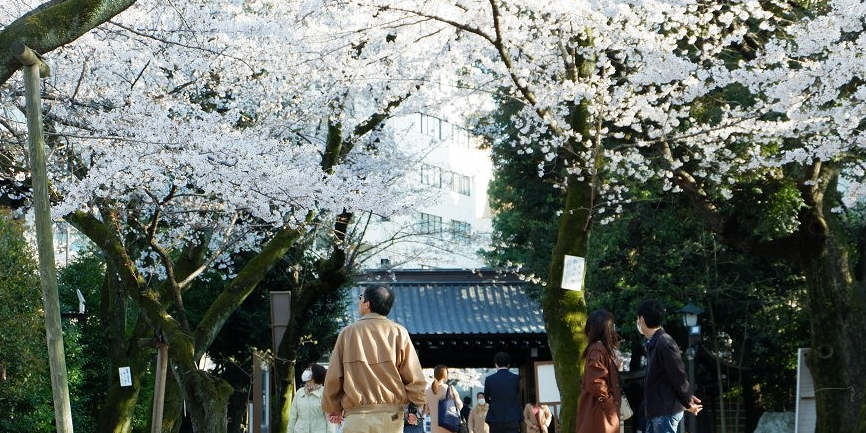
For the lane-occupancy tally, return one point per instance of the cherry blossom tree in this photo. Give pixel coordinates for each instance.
(50, 25)
(183, 135)
(734, 103)
(191, 131)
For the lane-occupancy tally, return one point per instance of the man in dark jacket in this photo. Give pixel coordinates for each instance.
(501, 391)
(666, 389)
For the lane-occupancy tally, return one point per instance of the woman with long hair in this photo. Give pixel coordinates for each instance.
(439, 390)
(600, 391)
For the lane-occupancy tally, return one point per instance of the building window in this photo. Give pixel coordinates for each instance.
(460, 183)
(431, 126)
(430, 224)
(431, 175)
(461, 230)
(461, 137)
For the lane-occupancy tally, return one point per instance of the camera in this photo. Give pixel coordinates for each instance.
(413, 410)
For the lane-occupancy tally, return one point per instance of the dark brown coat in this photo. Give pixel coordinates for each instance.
(600, 393)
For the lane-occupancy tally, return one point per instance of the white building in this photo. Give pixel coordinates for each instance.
(454, 221)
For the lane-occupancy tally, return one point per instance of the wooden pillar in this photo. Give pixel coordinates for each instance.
(159, 387)
(34, 68)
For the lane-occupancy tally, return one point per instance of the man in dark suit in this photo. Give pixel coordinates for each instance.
(502, 392)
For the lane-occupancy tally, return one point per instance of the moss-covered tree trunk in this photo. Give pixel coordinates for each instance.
(565, 310)
(118, 409)
(207, 396)
(838, 355)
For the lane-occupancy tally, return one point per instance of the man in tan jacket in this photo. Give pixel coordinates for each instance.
(373, 370)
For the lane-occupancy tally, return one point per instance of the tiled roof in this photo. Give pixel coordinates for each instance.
(433, 302)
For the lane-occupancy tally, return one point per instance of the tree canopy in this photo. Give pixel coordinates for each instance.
(211, 128)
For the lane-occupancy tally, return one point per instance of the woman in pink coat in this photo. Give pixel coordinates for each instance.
(600, 392)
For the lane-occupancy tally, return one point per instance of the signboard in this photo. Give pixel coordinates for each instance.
(573, 271)
(545, 376)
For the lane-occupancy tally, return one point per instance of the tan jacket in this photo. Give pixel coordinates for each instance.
(476, 419)
(543, 421)
(373, 368)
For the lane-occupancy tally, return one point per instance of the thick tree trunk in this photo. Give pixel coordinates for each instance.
(119, 406)
(565, 310)
(207, 399)
(118, 409)
(206, 395)
(838, 356)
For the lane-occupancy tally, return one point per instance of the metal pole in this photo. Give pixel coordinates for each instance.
(33, 69)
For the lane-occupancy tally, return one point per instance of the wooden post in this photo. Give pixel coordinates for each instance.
(159, 387)
(256, 419)
(34, 68)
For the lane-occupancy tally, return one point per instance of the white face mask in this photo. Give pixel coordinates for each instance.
(306, 375)
(639, 330)
(481, 401)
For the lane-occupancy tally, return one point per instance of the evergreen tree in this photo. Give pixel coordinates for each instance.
(25, 387)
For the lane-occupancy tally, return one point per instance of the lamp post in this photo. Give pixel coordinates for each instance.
(690, 320)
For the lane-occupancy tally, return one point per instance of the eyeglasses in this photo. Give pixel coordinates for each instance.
(361, 298)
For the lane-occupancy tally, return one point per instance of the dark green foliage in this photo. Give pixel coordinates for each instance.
(659, 250)
(525, 204)
(87, 360)
(25, 392)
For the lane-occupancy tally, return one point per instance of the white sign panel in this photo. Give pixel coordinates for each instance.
(125, 376)
(548, 391)
(573, 271)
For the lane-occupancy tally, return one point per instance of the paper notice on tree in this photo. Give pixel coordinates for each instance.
(125, 376)
(573, 270)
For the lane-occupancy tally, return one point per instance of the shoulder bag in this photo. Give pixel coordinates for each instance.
(449, 417)
(625, 410)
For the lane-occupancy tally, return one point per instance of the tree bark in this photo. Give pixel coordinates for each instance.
(118, 409)
(565, 310)
(838, 322)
